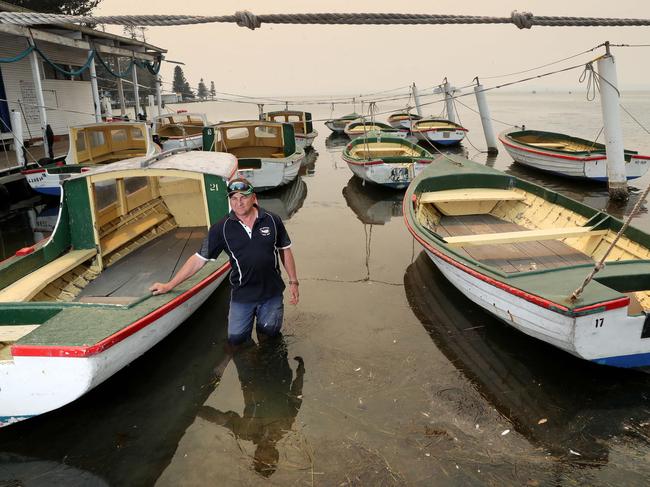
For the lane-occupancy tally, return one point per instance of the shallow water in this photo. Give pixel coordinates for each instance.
(385, 375)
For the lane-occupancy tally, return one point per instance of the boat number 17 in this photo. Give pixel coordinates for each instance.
(599, 322)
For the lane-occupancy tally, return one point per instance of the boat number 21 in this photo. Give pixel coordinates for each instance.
(600, 322)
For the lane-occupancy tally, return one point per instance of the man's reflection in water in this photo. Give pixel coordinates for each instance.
(272, 398)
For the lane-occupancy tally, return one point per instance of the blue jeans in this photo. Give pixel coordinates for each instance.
(269, 314)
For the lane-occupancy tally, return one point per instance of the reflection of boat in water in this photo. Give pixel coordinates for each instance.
(286, 200)
(308, 166)
(336, 141)
(585, 406)
(371, 203)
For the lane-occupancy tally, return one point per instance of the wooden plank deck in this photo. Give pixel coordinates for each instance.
(156, 261)
(513, 257)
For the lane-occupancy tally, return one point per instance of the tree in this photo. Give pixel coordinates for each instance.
(213, 92)
(67, 7)
(180, 84)
(202, 91)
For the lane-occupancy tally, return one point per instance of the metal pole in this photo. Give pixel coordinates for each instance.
(260, 107)
(38, 88)
(158, 94)
(486, 120)
(17, 129)
(136, 91)
(120, 91)
(151, 105)
(95, 90)
(449, 102)
(416, 97)
(609, 94)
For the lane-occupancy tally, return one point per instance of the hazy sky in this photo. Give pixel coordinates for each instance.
(318, 60)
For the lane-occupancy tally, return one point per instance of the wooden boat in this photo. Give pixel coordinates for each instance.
(182, 129)
(302, 125)
(337, 125)
(386, 160)
(403, 120)
(90, 145)
(520, 251)
(439, 131)
(267, 152)
(567, 156)
(361, 129)
(76, 308)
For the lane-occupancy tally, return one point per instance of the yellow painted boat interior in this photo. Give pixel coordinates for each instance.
(382, 149)
(179, 127)
(359, 129)
(436, 124)
(516, 231)
(127, 213)
(250, 140)
(557, 144)
(103, 144)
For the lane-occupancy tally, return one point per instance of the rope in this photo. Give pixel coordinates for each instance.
(17, 57)
(601, 263)
(523, 20)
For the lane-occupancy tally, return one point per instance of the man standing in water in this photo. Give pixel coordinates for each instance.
(253, 238)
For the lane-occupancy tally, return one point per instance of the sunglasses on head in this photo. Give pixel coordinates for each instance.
(239, 187)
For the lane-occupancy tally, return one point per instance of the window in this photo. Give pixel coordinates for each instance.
(119, 135)
(81, 142)
(266, 132)
(50, 73)
(237, 133)
(96, 138)
(131, 185)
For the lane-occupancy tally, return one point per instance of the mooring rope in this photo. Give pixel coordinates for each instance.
(523, 20)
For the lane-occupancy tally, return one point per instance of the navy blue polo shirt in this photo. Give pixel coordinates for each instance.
(254, 257)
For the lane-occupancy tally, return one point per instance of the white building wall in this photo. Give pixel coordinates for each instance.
(68, 102)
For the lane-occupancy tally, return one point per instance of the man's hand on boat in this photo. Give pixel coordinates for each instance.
(191, 267)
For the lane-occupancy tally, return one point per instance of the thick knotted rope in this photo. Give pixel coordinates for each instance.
(523, 20)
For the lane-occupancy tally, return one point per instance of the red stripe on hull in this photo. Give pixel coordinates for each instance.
(108, 342)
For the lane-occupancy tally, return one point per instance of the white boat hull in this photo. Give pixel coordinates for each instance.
(397, 176)
(273, 172)
(608, 337)
(440, 137)
(591, 167)
(33, 385)
(336, 127)
(305, 140)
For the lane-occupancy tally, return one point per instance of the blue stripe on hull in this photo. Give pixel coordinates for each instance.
(626, 361)
(49, 190)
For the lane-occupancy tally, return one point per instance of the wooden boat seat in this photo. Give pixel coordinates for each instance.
(469, 201)
(130, 231)
(118, 300)
(549, 145)
(13, 333)
(26, 288)
(522, 236)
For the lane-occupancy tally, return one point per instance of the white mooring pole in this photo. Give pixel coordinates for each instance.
(150, 109)
(449, 102)
(17, 129)
(486, 120)
(120, 91)
(40, 100)
(136, 91)
(95, 90)
(416, 97)
(609, 95)
(158, 95)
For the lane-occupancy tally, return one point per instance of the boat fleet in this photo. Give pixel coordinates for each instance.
(75, 307)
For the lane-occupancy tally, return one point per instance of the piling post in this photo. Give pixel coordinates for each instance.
(416, 97)
(40, 99)
(150, 102)
(159, 95)
(136, 91)
(95, 90)
(609, 95)
(486, 120)
(120, 91)
(17, 129)
(449, 101)
(260, 107)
